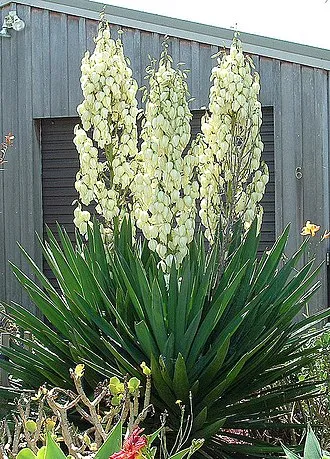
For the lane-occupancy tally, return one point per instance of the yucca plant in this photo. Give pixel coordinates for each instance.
(227, 340)
(216, 326)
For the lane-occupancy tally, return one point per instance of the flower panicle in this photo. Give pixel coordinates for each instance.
(165, 189)
(108, 114)
(232, 175)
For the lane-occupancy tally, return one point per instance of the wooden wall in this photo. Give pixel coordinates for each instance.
(39, 78)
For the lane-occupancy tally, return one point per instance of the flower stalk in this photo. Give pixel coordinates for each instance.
(109, 111)
(165, 188)
(232, 175)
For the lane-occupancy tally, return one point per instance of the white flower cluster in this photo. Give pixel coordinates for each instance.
(165, 189)
(110, 110)
(230, 147)
(158, 185)
(81, 219)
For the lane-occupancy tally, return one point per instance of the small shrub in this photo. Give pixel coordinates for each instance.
(316, 410)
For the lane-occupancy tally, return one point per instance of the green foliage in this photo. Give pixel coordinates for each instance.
(26, 453)
(312, 449)
(226, 339)
(53, 451)
(112, 445)
(316, 410)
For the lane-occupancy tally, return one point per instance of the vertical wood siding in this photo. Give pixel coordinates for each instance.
(39, 78)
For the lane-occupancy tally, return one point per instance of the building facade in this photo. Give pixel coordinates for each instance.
(40, 90)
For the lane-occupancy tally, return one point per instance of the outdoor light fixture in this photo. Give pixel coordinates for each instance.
(11, 21)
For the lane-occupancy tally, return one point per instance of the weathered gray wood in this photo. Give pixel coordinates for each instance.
(279, 160)
(267, 78)
(297, 147)
(58, 64)
(256, 62)
(11, 194)
(185, 54)
(136, 63)
(25, 160)
(157, 45)
(195, 81)
(5, 342)
(2, 182)
(37, 225)
(37, 59)
(289, 164)
(311, 175)
(185, 58)
(75, 54)
(91, 33)
(146, 53)
(45, 79)
(321, 184)
(308, 116)
(205, 67)
(174, 49)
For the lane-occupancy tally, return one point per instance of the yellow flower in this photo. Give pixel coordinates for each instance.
(79, 370)
(309, 228)
(86, 439)
(50, 424)
(93, 447)
(146, 370)
(30, 425)
(116, 387)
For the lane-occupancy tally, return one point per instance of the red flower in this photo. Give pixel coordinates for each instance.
(132, 446)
